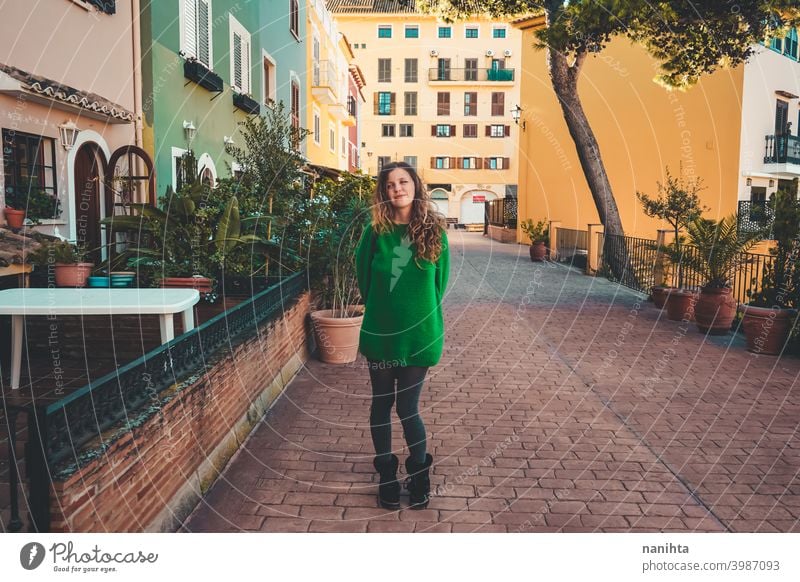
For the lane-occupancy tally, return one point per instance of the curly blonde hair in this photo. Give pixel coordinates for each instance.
(427, 223)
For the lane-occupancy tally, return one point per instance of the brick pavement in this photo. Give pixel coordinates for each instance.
(562, 403)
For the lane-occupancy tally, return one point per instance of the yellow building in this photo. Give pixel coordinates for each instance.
(328, 114)
(716, 130)
(441, 98)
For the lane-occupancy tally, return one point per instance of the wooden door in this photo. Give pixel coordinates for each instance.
(87, 199)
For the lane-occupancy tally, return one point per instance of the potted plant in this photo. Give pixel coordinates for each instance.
(337, 324)
(771, 314)
(36, 205)
(66, 260)
(538, 232)
(719, 251)
(678, 204)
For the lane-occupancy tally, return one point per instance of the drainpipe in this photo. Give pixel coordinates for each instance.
(137, 71)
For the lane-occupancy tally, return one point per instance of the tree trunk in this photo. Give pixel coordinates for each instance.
(564, 78)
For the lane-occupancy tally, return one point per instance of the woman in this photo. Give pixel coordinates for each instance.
(403, 263)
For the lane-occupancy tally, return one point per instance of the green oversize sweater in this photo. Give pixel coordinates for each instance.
(403, 321)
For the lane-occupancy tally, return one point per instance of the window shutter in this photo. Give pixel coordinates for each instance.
(433, 163)
(452, 163)
(246, 66)
(203, 38)
(237, 61)
(486, 163)
(506, 163)
(452, 131)
(190, 27)
(375, 103)
(508, 130)
(478, 163)
(392, 104)
(433, 131)
(488, 130)
(459, 163)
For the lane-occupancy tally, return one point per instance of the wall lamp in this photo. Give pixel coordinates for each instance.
(189, 130)
(516, 114)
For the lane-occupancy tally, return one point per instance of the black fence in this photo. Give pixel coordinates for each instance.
(57, 431)
(630, 261)
(502, 212)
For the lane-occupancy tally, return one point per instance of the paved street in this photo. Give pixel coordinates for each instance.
(562, 403)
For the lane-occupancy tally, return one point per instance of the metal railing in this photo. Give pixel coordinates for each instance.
(635, 261)
(473, 75)
(502, 212)
(755, 216)
(58, 431)
(782, 149)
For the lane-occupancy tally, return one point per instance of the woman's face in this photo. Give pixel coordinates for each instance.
(400, 188)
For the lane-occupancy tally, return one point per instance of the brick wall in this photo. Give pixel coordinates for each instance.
(150, 477)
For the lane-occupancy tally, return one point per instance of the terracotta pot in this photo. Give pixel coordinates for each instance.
(337, 337)
(680, 304)
(202, 284)
(72, 274)
(538, 251)
(14, 218)
(766, 329)
(660, 294)
(715, 310)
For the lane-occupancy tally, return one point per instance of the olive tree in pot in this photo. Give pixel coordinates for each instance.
(538, 233)
(332, 267)
(770, 316)
(677, 204)
(718, 252)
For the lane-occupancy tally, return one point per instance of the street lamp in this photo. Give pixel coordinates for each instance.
(68, 132)
(516, 113)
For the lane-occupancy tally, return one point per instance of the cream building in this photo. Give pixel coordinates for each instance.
(440, 96)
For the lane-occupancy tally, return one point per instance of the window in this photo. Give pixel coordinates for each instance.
(470, 69)
(498, 32)
(498, 130)
(29, 166)
(317, 129)
(445, 32)
(410, 103)
(498, 103)
(412, 31)
(470, 130)
(294, 20)
(269, 82)
(384, 103)
(240, 57)
(352, 108)
(443, 130)
(295, 113)
(411, 161)
(469, 163)
(382, 161)
(471, 32)
(440, 163)
(411, 71)
(471, 103)
(332, 138)
(443, 103)
(384, 70)
(384, 31)
(196, 37)
(790, 44)
(496, 163)
(443, 70)
(406, 130)
(387, 130)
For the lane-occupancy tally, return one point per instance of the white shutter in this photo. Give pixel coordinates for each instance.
(246, 65)
(190, 28)
(237, 61)
(203, 33)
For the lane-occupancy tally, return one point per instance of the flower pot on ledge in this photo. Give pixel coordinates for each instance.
(245, 103)
(72, 274)
(200, 74)
(14, 217)
(202, 284)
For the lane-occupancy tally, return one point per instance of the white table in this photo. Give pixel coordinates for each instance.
(19, 303)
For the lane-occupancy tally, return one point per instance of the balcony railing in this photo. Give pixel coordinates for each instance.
(782, 149)
(470, 75)
(325, 82)
(502, 212)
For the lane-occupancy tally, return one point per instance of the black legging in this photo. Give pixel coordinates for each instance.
(409, 386)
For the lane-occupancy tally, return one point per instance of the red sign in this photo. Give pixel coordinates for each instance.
(479, 198)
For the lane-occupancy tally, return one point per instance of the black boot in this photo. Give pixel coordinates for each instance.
(418, 482)
(389, 488)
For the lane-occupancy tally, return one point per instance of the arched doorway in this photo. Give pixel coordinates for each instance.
(440, 199)
(89, 165)
(473, 206)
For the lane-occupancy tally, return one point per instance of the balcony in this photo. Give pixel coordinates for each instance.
(447, 75)
(324, 82)
(782, 149)
(338, 111)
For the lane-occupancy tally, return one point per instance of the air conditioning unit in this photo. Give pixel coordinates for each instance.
(507, 53)
(434, 53)
(490, 53)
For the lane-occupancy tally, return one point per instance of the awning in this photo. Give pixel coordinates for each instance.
(16, 82)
